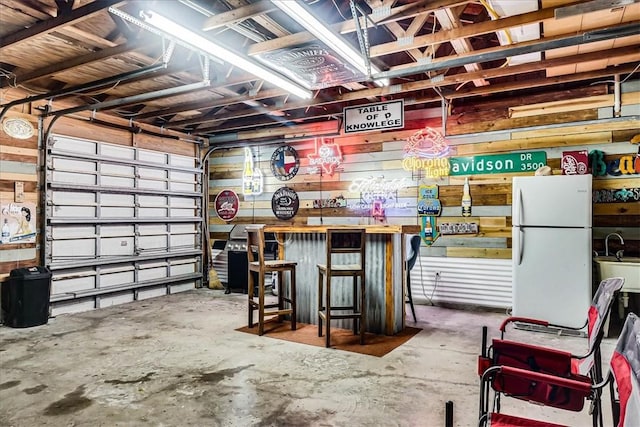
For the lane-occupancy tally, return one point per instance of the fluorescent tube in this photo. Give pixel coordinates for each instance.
(199, 43)
(301, 15)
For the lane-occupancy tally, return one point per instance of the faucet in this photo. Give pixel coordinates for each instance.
(606, 242)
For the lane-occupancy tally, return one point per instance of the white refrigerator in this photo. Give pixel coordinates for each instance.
(551, 248)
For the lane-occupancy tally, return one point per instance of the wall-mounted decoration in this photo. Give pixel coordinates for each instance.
(326, 158)
(18, 127)
(252, 178)
(378, 188)
(430, 168)
(285, 203)
(466, 198)
(285, 163)
(458, 228)
(427, 143)
(428, 208)
(338, 202)
(622, 195)
(378, 116)
(574, 162)
(18, 222)
(625, 165)
(313, 65)
(425, 152)
(227, 205)
(498, 163)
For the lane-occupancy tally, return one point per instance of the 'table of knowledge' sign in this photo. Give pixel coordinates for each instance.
(378, 116)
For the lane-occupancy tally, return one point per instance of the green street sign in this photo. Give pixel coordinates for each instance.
(497, 163)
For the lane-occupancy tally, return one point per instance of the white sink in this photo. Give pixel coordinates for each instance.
(628, 268)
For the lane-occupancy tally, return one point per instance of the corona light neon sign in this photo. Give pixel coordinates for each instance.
(426, 151)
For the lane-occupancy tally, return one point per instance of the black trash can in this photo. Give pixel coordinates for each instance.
(25, 297)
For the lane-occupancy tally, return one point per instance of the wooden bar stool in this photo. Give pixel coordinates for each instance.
(340, 242)
(258, 267)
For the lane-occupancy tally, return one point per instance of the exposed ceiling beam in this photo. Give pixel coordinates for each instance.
(485, 55)
(45, 27)
(456, 79)
(238, 15)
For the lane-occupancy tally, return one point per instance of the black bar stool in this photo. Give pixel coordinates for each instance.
(258, 267)
(340, 242)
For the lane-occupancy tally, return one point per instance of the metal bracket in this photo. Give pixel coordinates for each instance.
(363, 35)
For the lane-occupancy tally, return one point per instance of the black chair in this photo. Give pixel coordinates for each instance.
(415, 248)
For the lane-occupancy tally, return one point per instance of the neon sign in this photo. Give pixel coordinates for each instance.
(252, 178)
(425, 151)
(374, 188)
(327, 158)
(426, 143)
(377, 194)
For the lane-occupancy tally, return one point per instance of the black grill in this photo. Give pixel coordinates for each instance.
(236, 249)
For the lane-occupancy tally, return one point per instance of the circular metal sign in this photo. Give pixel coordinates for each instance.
(227, 204)
(285, 203)
(285, 163)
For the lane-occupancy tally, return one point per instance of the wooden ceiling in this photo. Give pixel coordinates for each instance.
(75, 57)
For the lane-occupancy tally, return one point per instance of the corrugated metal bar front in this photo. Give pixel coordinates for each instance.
(309, 249)
(122, 223)
(462, 281)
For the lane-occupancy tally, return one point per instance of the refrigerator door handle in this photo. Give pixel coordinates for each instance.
(520, 245)
(520, 207)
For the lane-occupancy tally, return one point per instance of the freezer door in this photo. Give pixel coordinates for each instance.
(552, 201)
(552, 274)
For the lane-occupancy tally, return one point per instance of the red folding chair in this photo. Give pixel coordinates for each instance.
(624, 369)
(557, 378)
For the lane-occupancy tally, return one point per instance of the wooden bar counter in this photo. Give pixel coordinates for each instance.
(384, 272)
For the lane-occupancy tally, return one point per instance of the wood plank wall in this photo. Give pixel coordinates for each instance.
(19, 159)
(482, 128)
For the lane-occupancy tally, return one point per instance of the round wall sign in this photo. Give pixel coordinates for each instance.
(285, 203)
(285, 163)
(227, 204)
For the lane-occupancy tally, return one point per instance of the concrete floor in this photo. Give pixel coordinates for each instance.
(178, 361)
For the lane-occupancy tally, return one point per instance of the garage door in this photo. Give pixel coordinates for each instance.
(122, 223)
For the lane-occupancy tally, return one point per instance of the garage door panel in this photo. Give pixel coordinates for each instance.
(71, 198)
(153, 212)
(109, 240)
(153, 242)
(183, 228)
(152, 292)
(110, 169)
(73, 232)
(152, 157)
(152, 229)
(117, 246)
(116, 212)
(110, 199)
(117, 151)
(74, 211)
(115, 298)
(152, 185)
(74, 178)
(74, 284)
(182, 186)
(62, 250)
(117, 230)
(117, 181)
(73, 145)
(182, 240)
(116, 278)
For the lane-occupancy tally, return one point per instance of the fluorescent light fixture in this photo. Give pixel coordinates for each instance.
(301, 15)
(197, 42)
